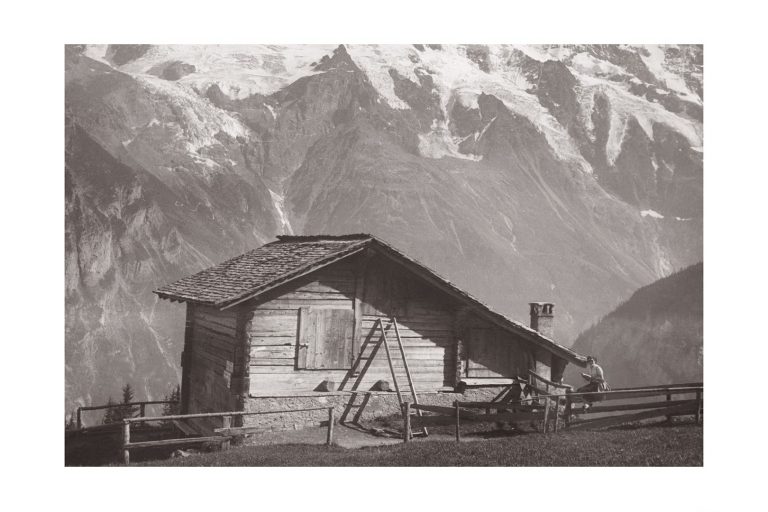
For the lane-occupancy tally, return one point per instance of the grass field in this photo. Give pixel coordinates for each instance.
(677, 445)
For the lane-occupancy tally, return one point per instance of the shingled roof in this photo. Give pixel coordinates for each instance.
(262, 269)
(247, 274)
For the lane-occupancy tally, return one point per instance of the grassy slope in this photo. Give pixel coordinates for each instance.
(655, 337)
(680, 445)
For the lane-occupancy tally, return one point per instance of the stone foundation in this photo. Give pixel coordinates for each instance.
(360, 407)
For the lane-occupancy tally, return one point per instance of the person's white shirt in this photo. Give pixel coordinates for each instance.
(596, 373)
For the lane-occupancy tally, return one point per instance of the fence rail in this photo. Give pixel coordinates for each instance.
(547, 408)
(222, 435)
(550, 409)
(620, 394)
(663, 386)
(557, 385)
(458, 413)
(667, 408)
(142, 411)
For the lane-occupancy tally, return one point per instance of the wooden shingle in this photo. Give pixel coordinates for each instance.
(261, 268)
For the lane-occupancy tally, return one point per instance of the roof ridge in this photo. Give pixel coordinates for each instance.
(254, 272)
(321, 237)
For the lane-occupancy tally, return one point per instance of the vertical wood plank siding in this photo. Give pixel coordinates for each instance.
(211, 360)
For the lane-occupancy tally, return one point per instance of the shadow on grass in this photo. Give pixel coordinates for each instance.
(651, 444)
(497, 433)
(676, 422)
(679, 446)
(105, 447)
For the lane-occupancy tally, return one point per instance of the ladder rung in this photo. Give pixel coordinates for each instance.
(402, 370)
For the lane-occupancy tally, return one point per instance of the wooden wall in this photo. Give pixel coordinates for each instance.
(493, 352)
(371, 289)
(425, 320)
(360, 290)
(272, 329)
(209, 359)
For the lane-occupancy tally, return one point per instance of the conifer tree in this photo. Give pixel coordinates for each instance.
(127, 411)
(110, 414)
(117, 414)
(172, 408)
(70, 424)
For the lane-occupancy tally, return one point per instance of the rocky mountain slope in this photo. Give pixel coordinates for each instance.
(563, 173)
(655, 337)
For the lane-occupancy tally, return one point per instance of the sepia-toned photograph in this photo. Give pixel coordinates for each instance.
(397, 256)
(384, 254)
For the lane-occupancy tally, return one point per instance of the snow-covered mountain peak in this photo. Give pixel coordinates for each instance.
(239, 70)
(197, 120)
(650, 84)
(627, 76)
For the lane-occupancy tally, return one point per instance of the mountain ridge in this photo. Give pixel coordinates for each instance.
(655, 336)
(491, 164)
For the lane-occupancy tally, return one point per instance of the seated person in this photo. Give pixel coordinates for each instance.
(595, 382)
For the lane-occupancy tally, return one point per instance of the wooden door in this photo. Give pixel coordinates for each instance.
(325, 338)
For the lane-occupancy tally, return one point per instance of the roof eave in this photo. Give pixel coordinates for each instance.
(174, 297)
(253, 293)
(488, 313)
(415, 266)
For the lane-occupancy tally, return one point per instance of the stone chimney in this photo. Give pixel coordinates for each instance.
(542, 318)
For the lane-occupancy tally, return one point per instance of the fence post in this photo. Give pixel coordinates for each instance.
(126, 441)
(142, 410)
(669, 399)
(226, 422)
(458, 420)
(406, 422)
(698, 407)
(557, 413)
(331, 420)
(567, 411)
(546, 414)
(79, 419)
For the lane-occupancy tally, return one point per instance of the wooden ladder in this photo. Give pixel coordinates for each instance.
(383, 340)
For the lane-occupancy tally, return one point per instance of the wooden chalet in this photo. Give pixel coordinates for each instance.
(292, 316)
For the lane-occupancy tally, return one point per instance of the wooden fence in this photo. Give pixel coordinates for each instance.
(554, 409)
(222, 435)
(549, 409)
(673, 405)
(459, 412)
(142, 412)
(544, 386)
